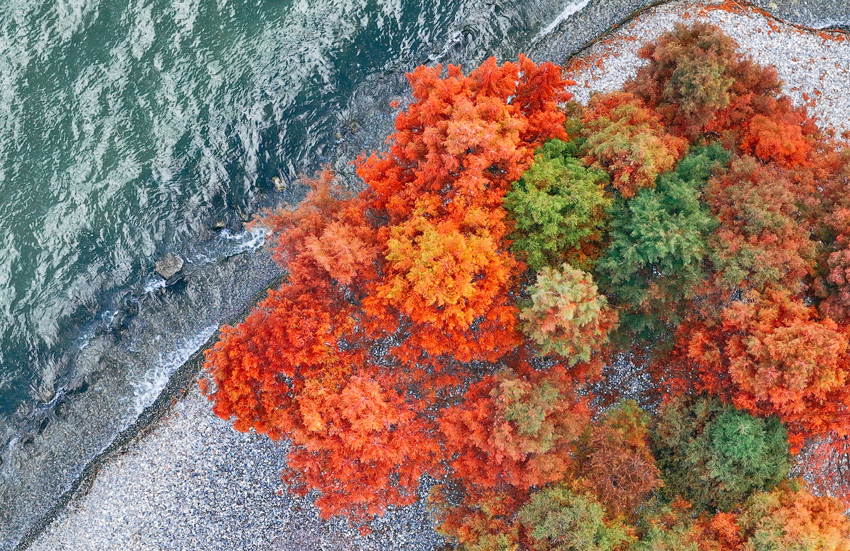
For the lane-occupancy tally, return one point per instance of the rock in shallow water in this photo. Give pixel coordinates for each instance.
(168, 266)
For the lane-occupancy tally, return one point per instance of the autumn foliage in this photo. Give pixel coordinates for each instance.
(613, 327)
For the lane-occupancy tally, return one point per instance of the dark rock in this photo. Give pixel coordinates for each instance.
(169, 265)
(76, 385)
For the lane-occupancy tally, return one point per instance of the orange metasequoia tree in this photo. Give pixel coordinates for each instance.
(773, 355)
(628, 140)
(456, 150)
(390, 292)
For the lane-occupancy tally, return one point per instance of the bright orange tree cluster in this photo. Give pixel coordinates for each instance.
(457, 317)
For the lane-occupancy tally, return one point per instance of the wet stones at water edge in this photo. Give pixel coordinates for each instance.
(169, 266)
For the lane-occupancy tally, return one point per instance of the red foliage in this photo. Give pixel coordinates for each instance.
(362, 445)
(774, 356)
(778, 140)
(826, 464)
(628, 140)
(393, 351)
(514, 431)
(763, 237)
(617, 466)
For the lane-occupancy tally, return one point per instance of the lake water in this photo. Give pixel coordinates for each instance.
(129, 129)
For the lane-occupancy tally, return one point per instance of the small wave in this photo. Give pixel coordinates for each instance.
(154, 285)
(146, 390)
(248, 240)
(570, 10)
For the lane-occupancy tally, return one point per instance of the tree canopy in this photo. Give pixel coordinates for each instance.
(613, 327)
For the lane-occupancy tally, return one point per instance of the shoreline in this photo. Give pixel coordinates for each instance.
(183, 382)
(179, 385)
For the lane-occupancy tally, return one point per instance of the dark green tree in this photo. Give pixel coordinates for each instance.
(714, 455)
(558, 207)
(658, 245)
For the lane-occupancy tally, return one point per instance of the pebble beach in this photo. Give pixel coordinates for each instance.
(190, 482)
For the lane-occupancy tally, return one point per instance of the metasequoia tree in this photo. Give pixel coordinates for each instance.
(566, 315)
(456, 150)
(762, 237)
(715, 456)
(625, 138)
(656, 257)
(558, 519)
(370, 437)
(616, 463)
(773, 355)
(513, 430)
(790, 517)
(558, 207)
(698, 83)
(690, 74)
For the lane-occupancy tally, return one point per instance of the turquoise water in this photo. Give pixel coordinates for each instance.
(129, 129)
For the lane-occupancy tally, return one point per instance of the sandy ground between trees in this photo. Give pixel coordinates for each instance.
(192, 483)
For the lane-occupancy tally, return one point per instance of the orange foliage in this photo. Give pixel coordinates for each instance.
(456, 150)
(362, 446)
(774, 356)
(777, 140)
(628, 140)
(514, 431)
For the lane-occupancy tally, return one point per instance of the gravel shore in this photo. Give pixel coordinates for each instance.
(192, 483)
(814, 66)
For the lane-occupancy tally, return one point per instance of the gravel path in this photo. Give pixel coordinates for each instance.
(192, 483)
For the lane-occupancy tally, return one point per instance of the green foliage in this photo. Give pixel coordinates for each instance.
(558, 205)
(557, 519)
(567, 315)
(658, 245)
(715, 456)
(658, 538)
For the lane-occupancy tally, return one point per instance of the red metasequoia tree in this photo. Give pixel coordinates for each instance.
(616, 463)
(389, 292)
(773, 355)
(763, 237)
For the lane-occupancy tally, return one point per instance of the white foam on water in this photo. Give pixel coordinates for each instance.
(570, 10)
(248, 240)
(154, 285)
(148, 388)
